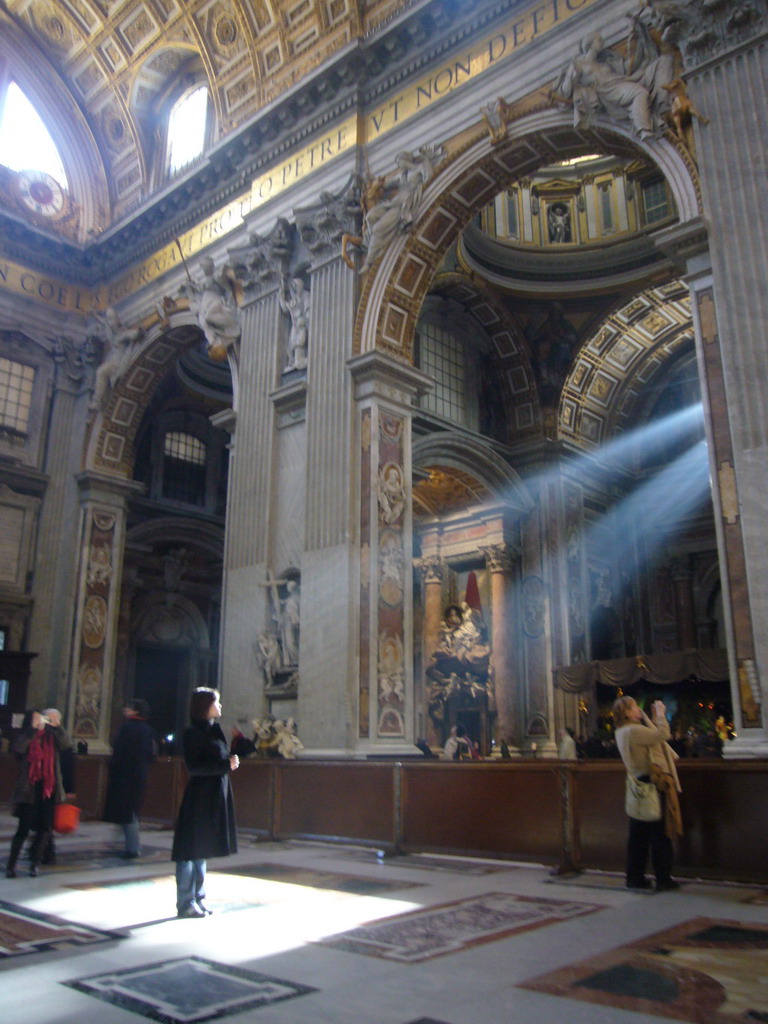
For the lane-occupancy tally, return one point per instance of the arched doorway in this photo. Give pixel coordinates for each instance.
(154, 505)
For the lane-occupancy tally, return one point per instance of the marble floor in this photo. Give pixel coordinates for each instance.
(307, 933)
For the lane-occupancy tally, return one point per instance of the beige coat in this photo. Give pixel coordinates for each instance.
(641, 746)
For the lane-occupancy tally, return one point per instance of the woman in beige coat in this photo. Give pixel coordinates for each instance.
(648, 757)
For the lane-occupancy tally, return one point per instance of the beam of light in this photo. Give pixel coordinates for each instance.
(657, 510)
(625, 449)
(657, 433)
(253, 918)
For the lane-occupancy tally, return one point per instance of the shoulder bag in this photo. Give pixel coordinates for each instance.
(642, 800)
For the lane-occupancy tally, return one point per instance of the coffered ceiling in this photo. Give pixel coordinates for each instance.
(116, 58)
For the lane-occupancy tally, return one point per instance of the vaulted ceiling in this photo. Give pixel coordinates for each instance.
(111, 61)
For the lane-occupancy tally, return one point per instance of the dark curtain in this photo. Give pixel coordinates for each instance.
(710, 665)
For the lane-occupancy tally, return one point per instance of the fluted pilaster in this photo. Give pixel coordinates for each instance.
(328, 406)
(251, 463)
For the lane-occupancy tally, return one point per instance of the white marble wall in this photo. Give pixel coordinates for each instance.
(733, 93)
(328, 614)
(245, 605)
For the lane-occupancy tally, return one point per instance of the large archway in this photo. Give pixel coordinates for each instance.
(561, 572)
(394, 290)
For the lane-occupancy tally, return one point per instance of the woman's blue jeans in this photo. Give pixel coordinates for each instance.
(190, 882)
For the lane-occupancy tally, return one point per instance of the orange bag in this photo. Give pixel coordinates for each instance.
(66, 818)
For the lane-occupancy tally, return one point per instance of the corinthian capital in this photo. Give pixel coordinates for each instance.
(323, 225)
(706, 29)
(263, 263)
(432, 568)
(498, 557)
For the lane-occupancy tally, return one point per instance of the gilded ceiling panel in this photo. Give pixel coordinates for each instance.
(626, 354)
(117, 56)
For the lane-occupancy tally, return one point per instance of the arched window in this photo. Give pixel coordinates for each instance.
(187, 129)
(25, 142)
(184, 468)
(454, 350)
(16, 383)
(441, 355)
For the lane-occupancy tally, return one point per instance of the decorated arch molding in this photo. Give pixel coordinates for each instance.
(477, 462)
(111, 436)
(171, 619)
(394, 290)
(182, 530)
(634, 345)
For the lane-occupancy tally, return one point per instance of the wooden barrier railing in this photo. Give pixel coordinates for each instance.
(568, 816)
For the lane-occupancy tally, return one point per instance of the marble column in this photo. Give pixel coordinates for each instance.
(682, 581)
(246, 610)
(386, 391)
(726, 65)
(97, 607)
(56, 549)
(432, 571)
(327, 692)
(499, 560)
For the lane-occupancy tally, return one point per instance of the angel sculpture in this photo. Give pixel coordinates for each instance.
(118, 342)
(213, 303)
(391, 207)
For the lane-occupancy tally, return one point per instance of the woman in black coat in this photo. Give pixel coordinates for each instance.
(133, 751)
(206, 823)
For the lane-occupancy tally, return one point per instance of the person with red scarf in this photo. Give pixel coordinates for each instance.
(38, 789)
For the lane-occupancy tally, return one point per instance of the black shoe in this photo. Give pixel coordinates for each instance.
(34, 870)
(669, 886)
(191, 910)
(126, 855)
(10, 872)
(643, 883)
(204, 907)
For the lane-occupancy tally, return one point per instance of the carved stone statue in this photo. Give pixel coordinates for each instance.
(289, 623)
(647, 90)
(294, 300)
(559, 221)
(118, 342)
(394, 211)
(212, 301)
(175, 563)
(268, 655)
(391, 493)
(595, 81)
(287, 743)
(496, 116)
(458, 673)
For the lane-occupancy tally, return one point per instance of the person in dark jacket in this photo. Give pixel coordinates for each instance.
(67, 768)
(38, 788)
(133, 750)
(206, 823)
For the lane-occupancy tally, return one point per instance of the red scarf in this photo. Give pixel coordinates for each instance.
(42, 761)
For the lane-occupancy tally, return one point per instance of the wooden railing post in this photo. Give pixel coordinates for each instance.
(568, 858)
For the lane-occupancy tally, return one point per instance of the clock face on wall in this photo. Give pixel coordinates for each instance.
(40, 193)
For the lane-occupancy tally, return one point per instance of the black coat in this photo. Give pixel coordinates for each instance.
(206, 823)
(133, 751)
